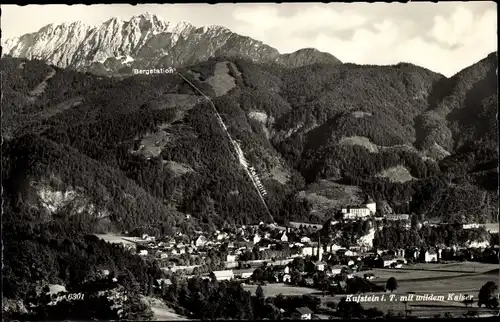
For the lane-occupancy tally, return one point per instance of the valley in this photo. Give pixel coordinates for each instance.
(249, 184)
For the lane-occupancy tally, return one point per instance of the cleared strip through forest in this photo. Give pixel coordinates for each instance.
(239, 153)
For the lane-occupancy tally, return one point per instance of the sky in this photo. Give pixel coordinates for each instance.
(444, 37)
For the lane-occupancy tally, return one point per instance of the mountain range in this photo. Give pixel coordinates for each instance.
(145, 41)
(142, 153)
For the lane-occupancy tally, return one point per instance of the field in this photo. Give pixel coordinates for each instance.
(221, 82)
(162, 312)
(464, 278)
(116, 239)
(279, 288)
(397, 174)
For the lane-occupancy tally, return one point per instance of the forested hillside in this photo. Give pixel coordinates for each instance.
(83, 154)
(145, 150)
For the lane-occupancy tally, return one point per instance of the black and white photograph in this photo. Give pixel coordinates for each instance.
(250, 161)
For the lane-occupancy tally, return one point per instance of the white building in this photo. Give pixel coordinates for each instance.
(143, 252)
(201, 241)
(320, 266)
(313, 251)
(307, 251)
(362, 211)
(224, 275)
(221, 236)
(371, 205)
(335, 270)
(305, 240)
(350, 253)
(256, 239)
(398, 217)
(284, 238)
(332, 248)
(470, 226)
(352, 213)
(287, 278)
(231, 258)
(430, 256)
(246, 275)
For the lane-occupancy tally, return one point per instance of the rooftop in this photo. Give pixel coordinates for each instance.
(304, 310)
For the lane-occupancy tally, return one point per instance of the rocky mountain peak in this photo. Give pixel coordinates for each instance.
(146, 41)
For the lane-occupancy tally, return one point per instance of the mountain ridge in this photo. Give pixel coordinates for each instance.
(146, 41)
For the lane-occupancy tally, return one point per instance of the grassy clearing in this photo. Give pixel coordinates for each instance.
(153, 143)
(221, 82)
(396, 174)
(177, 168)
(279, 288)
(162, 312)
(325, 195)
(468, 267)
(115, 239)
(361, 141)
(423, 271)
(280, 174)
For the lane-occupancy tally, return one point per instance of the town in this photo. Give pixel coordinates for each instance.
(304, 256)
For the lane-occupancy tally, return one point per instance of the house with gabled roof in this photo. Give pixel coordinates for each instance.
(302, 313)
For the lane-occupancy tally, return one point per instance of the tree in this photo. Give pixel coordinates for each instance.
(259, 292)
(392, 284)
(332, 305)
(468, 301)
(349, 310)
(487, 295)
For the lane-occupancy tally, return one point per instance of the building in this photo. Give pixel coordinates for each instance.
(320, 266)
(162, 282)
(201, 241)
(143, 252)
(332, 248)
(305, 240)
(371, 205)
(256, 239)
(430, 256)
(224, 275)
(360, 211)
(402, 217)
(287, 278)
(221, 236)
(284, 238)
(307, 251)
(470, 226)
(355, 212)
(335, 270)
(302, 313)
(350, 253)
(148, 238)
(231, 258)
(246, 275)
